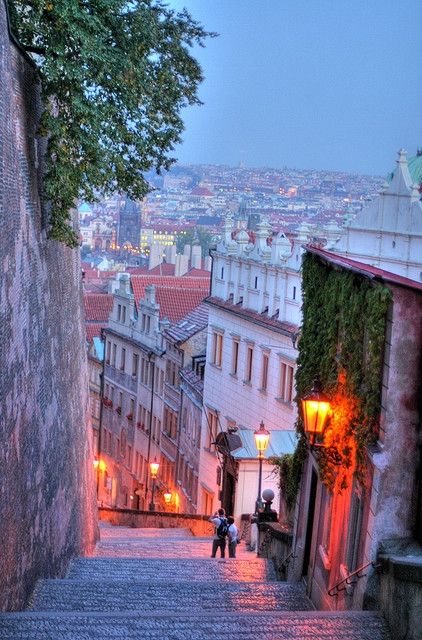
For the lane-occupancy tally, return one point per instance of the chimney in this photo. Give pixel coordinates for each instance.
(182, 265)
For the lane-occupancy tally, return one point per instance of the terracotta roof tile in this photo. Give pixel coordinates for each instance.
(163, 269)
(93, 331)
(139, 282)
(97, 306)
(176, 303)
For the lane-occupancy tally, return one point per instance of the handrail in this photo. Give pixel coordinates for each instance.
(334, 591)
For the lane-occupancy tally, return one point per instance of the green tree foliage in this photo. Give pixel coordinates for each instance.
(114, 76)
(198, 235)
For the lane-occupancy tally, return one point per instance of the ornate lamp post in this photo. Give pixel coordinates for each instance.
(262, 438)
(153, 467)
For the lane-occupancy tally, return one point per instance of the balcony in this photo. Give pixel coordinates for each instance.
(121, 378)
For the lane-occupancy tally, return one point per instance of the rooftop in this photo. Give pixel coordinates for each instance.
(194, 321)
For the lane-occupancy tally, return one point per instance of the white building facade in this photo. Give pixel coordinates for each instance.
(253, 325)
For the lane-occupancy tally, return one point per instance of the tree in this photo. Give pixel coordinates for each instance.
(198, 235)
(115, 75)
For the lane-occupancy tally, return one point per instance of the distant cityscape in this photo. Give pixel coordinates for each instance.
(192, 198)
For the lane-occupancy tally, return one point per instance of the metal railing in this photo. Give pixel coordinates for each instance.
(351, 579)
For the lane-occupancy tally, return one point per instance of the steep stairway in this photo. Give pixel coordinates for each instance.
(161, 584)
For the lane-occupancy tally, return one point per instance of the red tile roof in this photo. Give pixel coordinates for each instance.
(97, 306)
(198, 273)
(366, 269)
(163, 269)
(139, 282)
(93, 331)
(176, 303)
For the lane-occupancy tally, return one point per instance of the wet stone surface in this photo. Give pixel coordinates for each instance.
(161, 584)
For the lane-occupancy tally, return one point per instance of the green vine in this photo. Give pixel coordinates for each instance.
(343, 332)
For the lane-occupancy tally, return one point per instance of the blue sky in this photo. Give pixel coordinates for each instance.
(325, 84)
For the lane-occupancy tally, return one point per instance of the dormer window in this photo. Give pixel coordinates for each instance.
(294, 293)
(256, 282)
(222, 273)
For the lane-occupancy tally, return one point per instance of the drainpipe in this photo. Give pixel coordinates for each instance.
(100, 420)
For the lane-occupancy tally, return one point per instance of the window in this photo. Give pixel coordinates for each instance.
(222, 273)
(113, 355)
(235, 356)
(120, 400)
(119, 312)
(148, 324)
(123, 318)
(286, 382)
(217, 349)
(108, 350)
(264, 377)
(294, 293)
(211, 428)
(249, 361)
(256, 282)
(207, 500)
(123, 360)
(135, 363)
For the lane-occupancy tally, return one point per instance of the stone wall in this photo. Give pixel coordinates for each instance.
(47, 509)
(197, 525)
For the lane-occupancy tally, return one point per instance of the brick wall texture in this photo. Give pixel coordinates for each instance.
(47, 502)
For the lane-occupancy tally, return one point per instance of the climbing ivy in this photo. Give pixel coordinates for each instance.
(342, 338)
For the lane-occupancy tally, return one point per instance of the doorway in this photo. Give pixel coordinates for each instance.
(310, 524)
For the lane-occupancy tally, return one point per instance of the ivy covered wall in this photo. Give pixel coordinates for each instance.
(342, 342)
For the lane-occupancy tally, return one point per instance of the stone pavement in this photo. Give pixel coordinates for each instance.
(161, 584)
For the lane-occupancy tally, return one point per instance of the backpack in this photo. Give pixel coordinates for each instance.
(223, 528)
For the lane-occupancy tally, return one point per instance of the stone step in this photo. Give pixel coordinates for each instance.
(173, 570)
(74, 595)
(173, 626)
(168, 548)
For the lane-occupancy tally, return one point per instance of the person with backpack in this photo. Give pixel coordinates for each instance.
(219, 520)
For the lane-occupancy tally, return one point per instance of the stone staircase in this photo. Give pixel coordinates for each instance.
(161, 584)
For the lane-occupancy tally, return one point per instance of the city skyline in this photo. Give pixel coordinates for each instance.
(313, 86)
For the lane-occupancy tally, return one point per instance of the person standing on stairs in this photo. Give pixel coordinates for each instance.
(233, 537)
(221, 530)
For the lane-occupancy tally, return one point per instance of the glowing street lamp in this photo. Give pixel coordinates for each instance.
(167, 497)
(262, 439)
(315, 406)
(153, 467)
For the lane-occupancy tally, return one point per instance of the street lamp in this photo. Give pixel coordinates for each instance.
(315, 406)
(167, 497)
(153, 467)
(262, 438)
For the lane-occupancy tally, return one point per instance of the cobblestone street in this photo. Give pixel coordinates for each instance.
(161, 584)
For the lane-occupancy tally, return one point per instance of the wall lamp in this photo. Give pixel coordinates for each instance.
(316, 409)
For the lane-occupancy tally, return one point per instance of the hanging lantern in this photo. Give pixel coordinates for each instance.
(315, 406)
(167, 497)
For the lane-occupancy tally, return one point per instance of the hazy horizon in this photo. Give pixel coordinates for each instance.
(314, 85)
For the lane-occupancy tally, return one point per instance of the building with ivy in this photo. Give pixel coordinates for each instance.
(359, 514)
